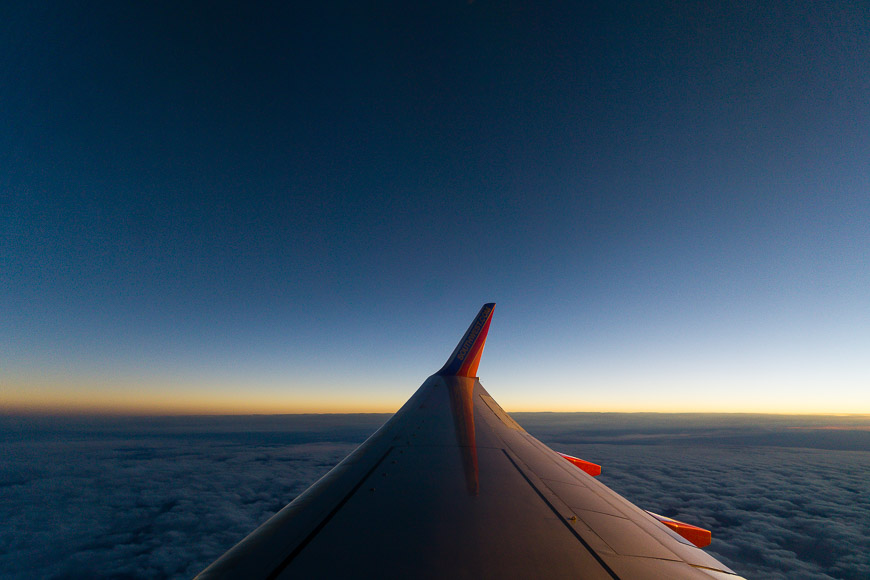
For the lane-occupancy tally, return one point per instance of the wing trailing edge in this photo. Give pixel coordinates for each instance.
(466, 356)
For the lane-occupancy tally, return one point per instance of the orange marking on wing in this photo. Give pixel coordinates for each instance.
(698, 536)
(592, 469)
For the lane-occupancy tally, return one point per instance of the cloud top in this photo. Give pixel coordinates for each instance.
(164, 497)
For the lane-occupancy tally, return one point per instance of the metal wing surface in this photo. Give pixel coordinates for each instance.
(452, 487)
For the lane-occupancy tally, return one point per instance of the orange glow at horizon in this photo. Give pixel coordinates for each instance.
(166, 401)
(673, 404)
(124, 398)
(56, 394)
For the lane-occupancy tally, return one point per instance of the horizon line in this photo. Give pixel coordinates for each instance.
(144, 414)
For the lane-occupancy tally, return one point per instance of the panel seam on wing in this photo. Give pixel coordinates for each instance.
(286, 562)
(567, 524)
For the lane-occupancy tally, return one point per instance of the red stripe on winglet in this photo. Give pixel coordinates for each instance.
(698, 536)
(592, 469)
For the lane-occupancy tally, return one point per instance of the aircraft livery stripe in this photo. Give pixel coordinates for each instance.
(466, 358)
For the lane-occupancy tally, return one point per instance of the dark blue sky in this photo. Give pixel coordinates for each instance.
(669, 204)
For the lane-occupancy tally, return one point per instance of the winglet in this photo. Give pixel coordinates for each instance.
(466, 356)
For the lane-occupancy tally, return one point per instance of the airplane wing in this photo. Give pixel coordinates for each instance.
(452, 487)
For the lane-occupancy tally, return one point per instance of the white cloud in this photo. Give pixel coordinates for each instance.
(164, 500)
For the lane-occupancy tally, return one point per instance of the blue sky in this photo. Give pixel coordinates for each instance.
(211, 208)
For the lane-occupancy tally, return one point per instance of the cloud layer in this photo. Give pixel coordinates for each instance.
(151, 502)
(164, 498)
(777, 507)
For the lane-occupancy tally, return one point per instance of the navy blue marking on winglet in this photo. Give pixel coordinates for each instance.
(466, 356)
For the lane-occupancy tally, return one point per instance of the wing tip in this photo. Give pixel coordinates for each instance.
(466, 356)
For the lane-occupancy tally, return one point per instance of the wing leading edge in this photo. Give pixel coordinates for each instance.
(451, 486)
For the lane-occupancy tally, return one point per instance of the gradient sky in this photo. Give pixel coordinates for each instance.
(210, 208)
